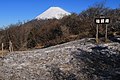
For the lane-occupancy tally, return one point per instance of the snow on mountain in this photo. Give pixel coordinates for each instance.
(53, 12)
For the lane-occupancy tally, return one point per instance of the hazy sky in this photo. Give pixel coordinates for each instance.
(12, 11)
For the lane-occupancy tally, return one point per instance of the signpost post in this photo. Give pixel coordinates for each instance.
(97, 34)
(102, 20)
(106, 33)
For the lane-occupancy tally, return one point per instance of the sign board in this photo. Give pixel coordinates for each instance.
(102, 20)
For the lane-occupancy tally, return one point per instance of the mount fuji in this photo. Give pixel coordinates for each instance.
(53, 12)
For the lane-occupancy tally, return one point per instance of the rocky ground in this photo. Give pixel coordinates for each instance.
(76, 60)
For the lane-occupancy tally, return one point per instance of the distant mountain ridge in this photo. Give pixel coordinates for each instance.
(53, 12)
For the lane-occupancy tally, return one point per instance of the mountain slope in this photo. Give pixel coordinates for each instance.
(53, 12)
(76, 60)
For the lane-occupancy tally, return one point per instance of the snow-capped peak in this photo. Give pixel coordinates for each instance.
(53, 12)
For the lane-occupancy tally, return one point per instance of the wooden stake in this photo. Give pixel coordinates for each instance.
(10, 46)
(2, 46)
(2, 49)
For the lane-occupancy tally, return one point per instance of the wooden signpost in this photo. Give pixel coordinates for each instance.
(101, 20)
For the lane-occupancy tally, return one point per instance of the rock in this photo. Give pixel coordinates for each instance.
(76, 60)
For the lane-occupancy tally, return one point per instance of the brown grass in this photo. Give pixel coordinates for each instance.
(3, 53)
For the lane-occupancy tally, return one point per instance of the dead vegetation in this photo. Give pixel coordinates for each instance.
(44, 33)
(3, 53)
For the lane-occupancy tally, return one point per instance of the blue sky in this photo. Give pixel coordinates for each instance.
(12, 11)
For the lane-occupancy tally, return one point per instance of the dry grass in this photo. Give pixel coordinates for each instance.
(3, 53)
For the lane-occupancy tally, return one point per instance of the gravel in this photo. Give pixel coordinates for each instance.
(60, 62)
